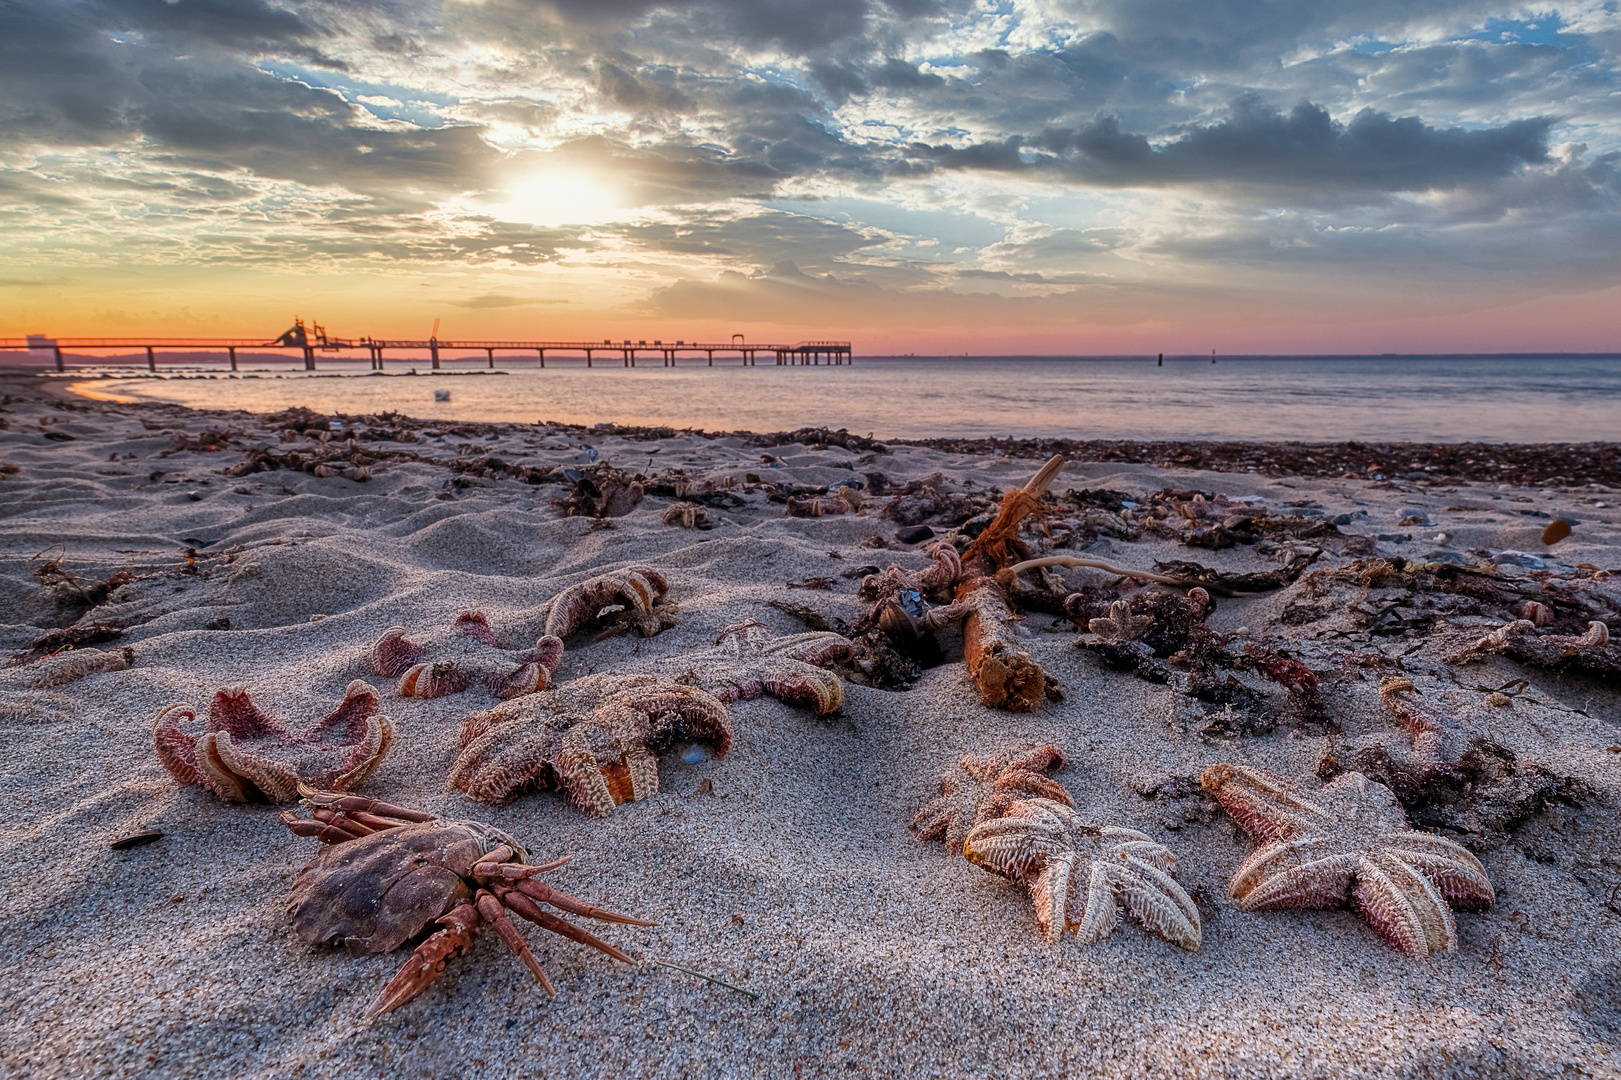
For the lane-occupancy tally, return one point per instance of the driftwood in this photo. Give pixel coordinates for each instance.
(1005, 676)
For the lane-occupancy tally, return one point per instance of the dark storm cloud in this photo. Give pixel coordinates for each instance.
(791, 24)
(1257, 145)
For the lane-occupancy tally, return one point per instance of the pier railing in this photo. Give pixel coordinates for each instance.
(803, 353)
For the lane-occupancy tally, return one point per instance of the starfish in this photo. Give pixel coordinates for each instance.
(1044, 846)
(1120, 624)
(620, 600)
(1357, 848)
(1425, 728)
(992, 785)
(244, 754)
(468, 652)
(747, 662)
(71, 665)
(597, 738)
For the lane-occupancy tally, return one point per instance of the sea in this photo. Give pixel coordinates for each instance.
(1522, 399)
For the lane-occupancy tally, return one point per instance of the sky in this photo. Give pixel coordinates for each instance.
(930, 176)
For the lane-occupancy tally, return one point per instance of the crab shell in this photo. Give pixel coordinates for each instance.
(374, 894)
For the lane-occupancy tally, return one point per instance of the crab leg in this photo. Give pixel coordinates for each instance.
(338, 800)
(461, 924)
(325, 831)
(490, 908)
(537, 890)
(527, 908)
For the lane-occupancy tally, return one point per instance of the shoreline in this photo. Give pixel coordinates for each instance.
(1568, 465)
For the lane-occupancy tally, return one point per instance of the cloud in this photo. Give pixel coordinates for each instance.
(500, 300)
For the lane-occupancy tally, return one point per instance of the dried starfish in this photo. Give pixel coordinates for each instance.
(244, 754)
(992, 785)
(1355, 848)
(1425, 727)
(71, 665)
(748, 662)
(1044, 846)
(597, 738)
(1120, 624)
(688, 515)
(620, 600)
(469, 652)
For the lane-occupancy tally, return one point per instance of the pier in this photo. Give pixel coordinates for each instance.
(313, 344)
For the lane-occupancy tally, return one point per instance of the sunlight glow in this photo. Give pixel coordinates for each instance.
(553, 198)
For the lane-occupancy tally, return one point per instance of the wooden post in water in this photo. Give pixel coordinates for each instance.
(232, 351)
(491, 354)
(151, 361)
(588, 358)
(433, 351)
(57, 351)
(542, 354)
(379, 358)
(711, 353)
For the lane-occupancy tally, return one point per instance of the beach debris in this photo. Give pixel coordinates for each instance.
(688, 515)
(1589, 654)
(1004, 675)
(1080, 876)
(441, 395)
(981, 789)
(130, 841)
(622, 600)
(914, 534)
(72, 592)
(450, 662)
(1556, 531)
(597, 739)
(1225, 583)
(601, 491)
(998, 545)
(70, 665)
(1352, 847)
(748, 662)
(813, 506)
(245, 755)
(901, 603)
(387, 873)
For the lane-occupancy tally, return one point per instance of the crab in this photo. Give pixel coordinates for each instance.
(389, 873)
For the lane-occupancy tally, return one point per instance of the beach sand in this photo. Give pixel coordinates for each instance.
(786, 867)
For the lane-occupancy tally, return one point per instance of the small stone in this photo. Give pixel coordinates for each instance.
(1495, 700)
(1556, 531)
(916, 534)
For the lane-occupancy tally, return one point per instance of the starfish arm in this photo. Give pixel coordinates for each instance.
(1031, 785)
(1145, 850)
(1383, 906)
(526, 679)
(1102, 912)
(276, 781)
(177, 751)
(822, 691)
(1157, 902)
(1318, 883)
(507, 760)
(393, 656)
(1453, 867)
(361, 759)
(1050, 893)
(547, 652)
(581, 776)
(670, 713)
(1440, 927)
(1014, 847)
(217, 776)
(1261, 803)
(934, 821)
(233, 710)
(817, 647)
(473, 624)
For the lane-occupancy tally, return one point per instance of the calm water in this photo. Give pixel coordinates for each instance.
(1432, 400)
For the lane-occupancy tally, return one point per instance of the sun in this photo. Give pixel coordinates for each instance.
(555, 197)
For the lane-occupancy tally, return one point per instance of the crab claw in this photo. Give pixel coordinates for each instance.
(461, 925)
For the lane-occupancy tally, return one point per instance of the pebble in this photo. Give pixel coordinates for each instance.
(1556, 531)
(914, 535)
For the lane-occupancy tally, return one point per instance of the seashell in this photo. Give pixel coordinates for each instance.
(1556, 531)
